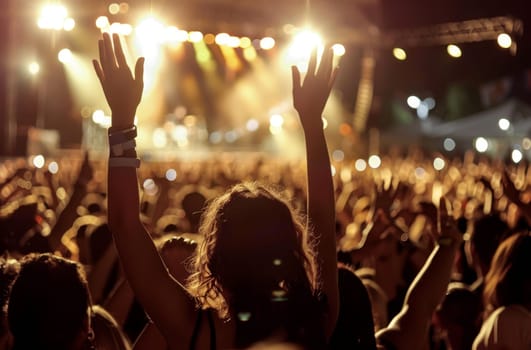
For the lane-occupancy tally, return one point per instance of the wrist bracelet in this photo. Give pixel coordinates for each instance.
(122, 136)
(121, 162)
(117, 150)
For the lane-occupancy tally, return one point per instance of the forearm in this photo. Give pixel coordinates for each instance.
(431, 282)
(321, 212)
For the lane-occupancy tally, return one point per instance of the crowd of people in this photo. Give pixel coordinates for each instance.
(255, 252)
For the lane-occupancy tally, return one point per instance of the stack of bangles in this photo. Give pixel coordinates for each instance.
(122, 148)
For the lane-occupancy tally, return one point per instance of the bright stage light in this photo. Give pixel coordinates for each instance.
(504, 40)
(65, 56)
(52, 16)
(150, 28)
(339, 50)
(276, 121)
(69, 24)
(301, 48)
(38, 161)
(399, 53)
(454, 51)
(504, 124)
(173, 35)
(413, 101)
(34, 68)
(481, 144)
(233, 42)
(360, 165)
(195, 37)
(449, 144)
(516, 156)
(102, 22)
(267, 43)
(438, 163)
(252, 125)
(375, 161)
(245, 42)
(114, 8)
(222, 39)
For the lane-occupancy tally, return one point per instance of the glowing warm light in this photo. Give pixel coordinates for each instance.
(454, 51)
(69, 24)
(516, 155)
(504, 40)
(275, 130)
(300, 49)
(38, 161)
(114, 8)
(98, 116)
(360, 165)
(180, 135)
(159, 138)
(504, 124)
(34, 68)
(345, 175)
(267, 43)
(481, 144)
(65, 56)
(52, 16)
(338, 155)
(339, 50)
(333, 170)
(102, 22)
(276, 121)
(245, 42)
(233, 41)
(150, 29)
(124, 7)
(249, 53)
(149, 186)
(53, 167)
(171, 174)
(449, 144)
(209, 39)
(195, 37)
(526, 143)
(400, 54)
(174, 35)
(439, 163)
(222, 39)
(374, 161)
(413, 102)
(252, 125)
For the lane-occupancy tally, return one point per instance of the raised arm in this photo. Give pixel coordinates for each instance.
(164, 299)
(309, 99)
(409, 329)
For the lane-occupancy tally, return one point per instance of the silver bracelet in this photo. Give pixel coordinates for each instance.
(118, 149)
(121, 162)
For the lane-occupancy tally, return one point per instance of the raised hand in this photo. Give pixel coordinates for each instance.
(448, 233)
(309, 98)
(122, 91)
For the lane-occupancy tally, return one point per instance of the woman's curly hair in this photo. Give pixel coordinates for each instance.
(254, 245)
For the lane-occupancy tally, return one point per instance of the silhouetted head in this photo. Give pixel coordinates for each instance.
(49, 303)
(255, 249)
(509, 278)
(487, 234)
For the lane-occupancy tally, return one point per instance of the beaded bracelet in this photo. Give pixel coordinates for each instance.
(122, 136)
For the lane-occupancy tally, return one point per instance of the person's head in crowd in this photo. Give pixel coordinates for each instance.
(486, 235)
(255, 265)
(508, 281)
(107, 332)
(457, 319)
(8, 272)
(193, 204)
(49, 304)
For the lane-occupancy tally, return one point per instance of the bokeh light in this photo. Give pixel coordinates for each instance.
(449, 144)
(374, 161)
(504, 40)
(65, 56)
(454, 51)
(481, 144)
(399, 53)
